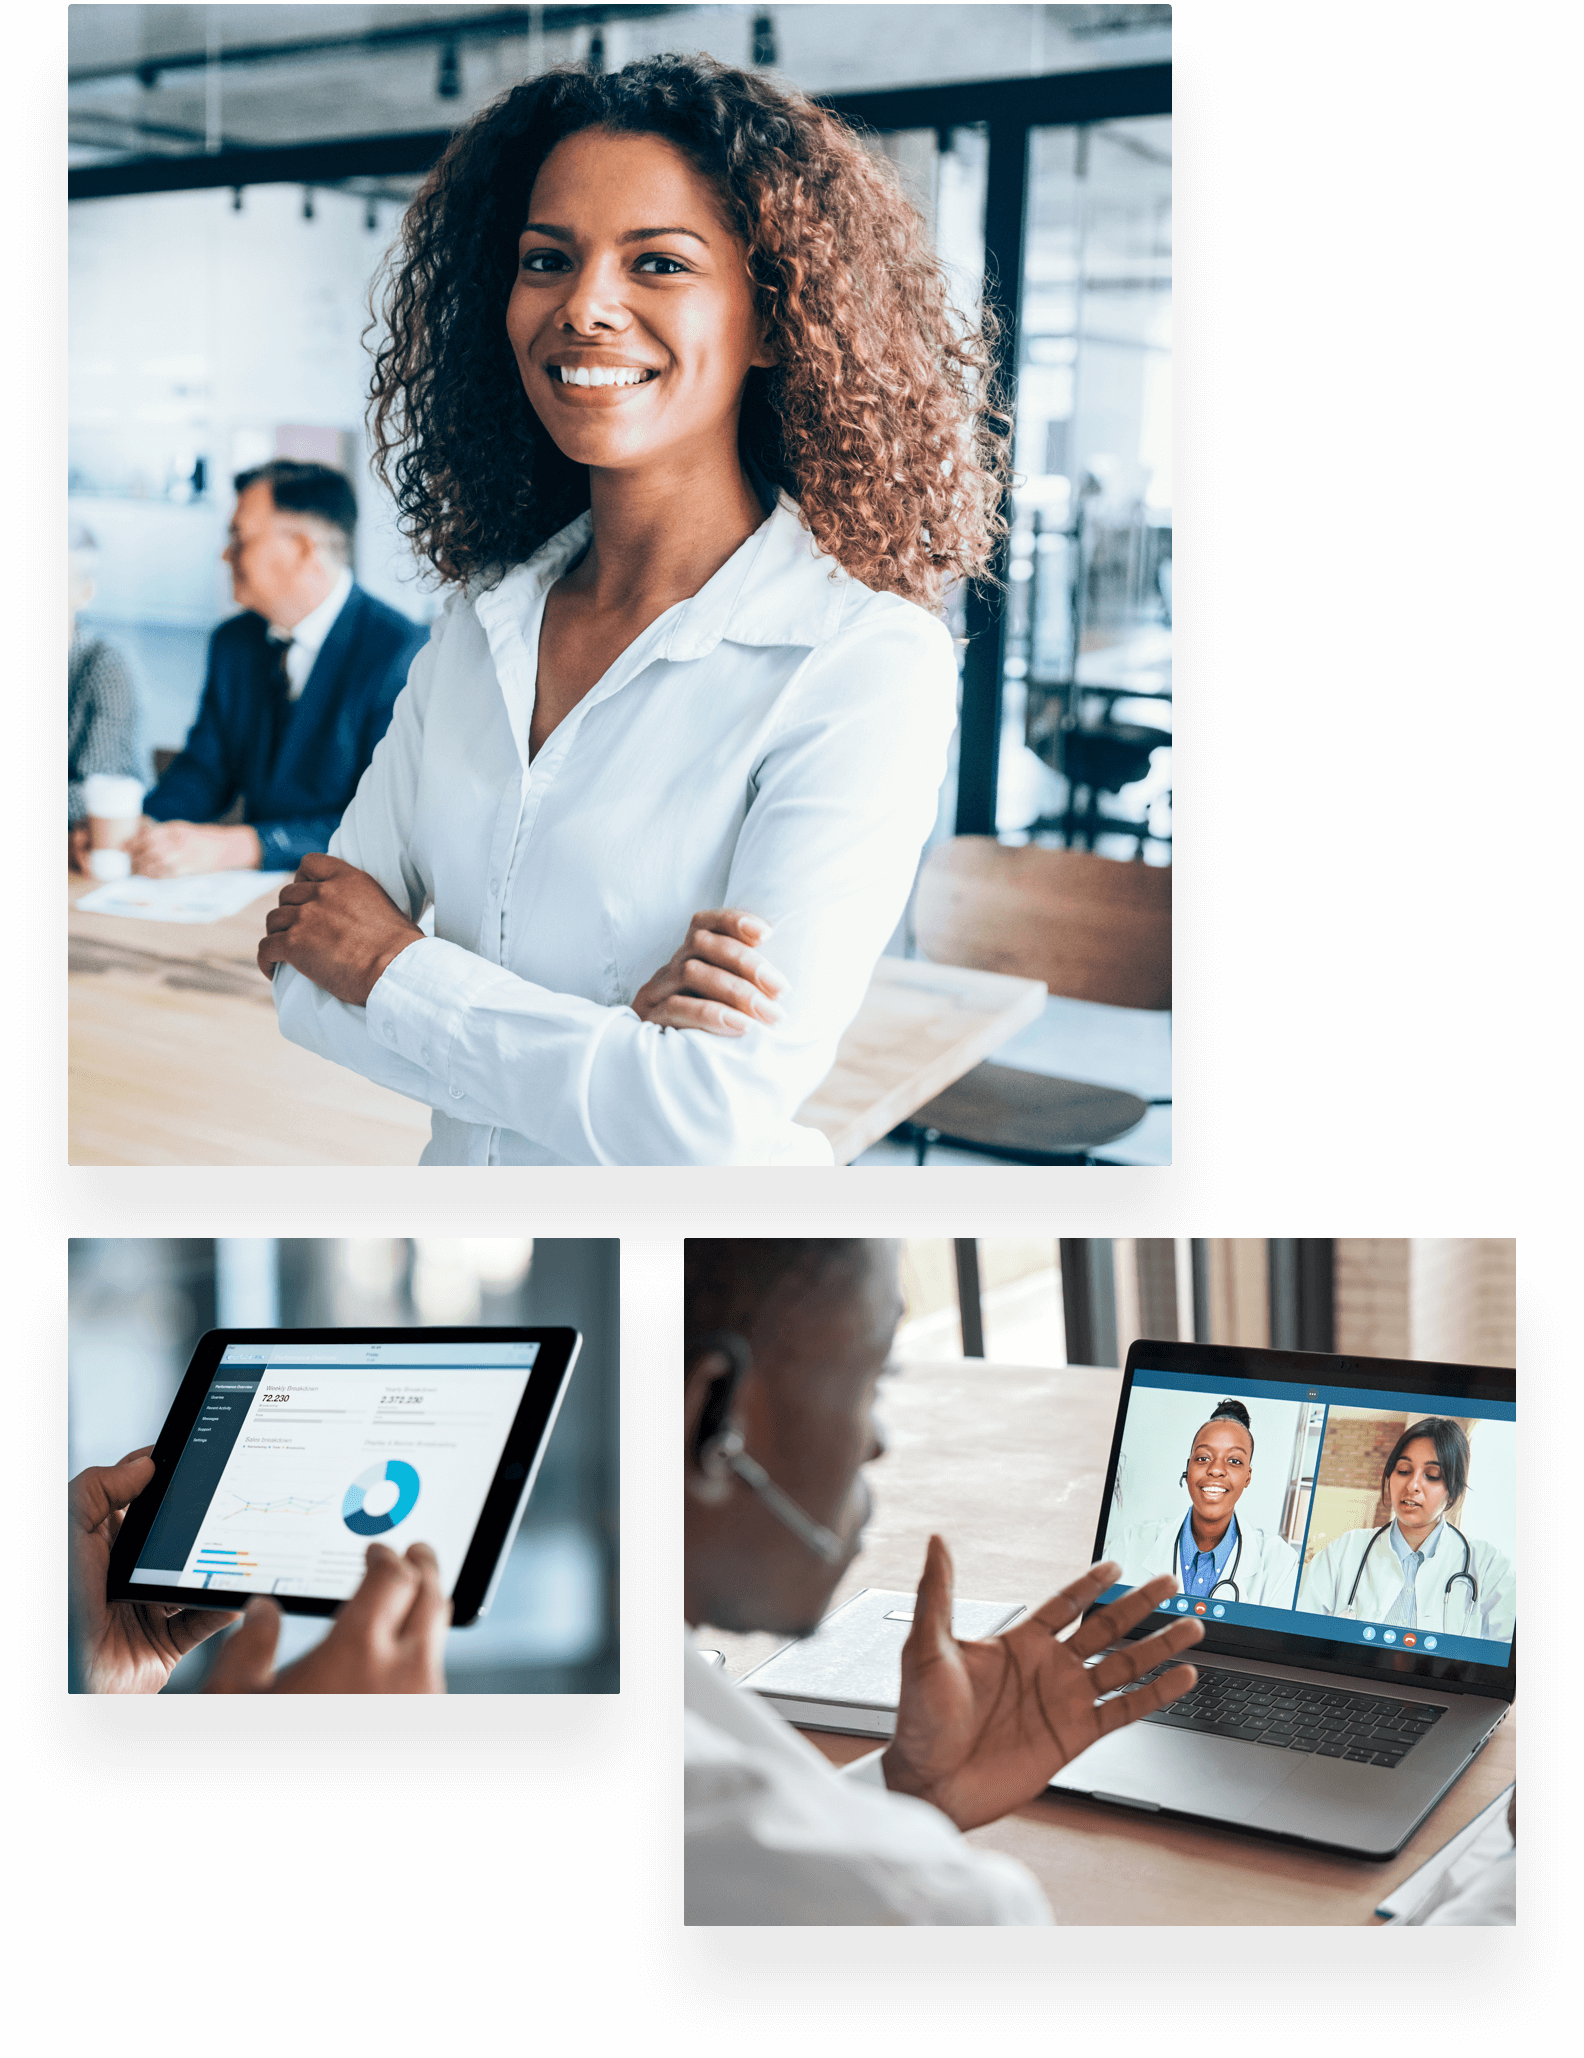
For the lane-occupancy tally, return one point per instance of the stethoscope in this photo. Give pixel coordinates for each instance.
(1465, 1574)
(1237, 1556)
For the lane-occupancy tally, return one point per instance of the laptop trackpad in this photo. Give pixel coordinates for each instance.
(1172, 1768)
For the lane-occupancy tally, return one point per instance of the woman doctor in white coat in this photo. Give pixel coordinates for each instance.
(1418, 1570)
(1216, 1557)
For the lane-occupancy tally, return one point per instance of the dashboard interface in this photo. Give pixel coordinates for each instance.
(302, 1454)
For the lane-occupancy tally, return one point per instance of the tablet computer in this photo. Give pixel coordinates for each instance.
(289, 1450)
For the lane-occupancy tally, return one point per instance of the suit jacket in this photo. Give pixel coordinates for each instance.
(293, 797)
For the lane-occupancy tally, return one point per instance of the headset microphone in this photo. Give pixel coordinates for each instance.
(719, 1448)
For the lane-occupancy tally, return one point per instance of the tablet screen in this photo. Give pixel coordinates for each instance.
(302, 1454)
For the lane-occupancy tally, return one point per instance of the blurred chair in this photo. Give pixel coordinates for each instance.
(1093, 930)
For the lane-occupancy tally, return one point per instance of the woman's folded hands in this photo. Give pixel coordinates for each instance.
(718, 980)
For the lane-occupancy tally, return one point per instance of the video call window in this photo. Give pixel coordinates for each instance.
(1385, 1519)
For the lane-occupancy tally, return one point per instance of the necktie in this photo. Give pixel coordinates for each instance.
(278, 693)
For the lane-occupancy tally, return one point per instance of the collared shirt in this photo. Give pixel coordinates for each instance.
(1202, 1570)
(306, 640)
(1405, 1609)
(776, 743)
(773, 1833)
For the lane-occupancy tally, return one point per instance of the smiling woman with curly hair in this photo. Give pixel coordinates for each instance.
(672, 394)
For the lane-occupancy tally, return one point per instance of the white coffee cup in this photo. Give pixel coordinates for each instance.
(115, 807)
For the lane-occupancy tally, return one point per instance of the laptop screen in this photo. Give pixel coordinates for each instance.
(1356, 1515)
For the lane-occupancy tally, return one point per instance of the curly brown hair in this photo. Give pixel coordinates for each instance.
(881, 416)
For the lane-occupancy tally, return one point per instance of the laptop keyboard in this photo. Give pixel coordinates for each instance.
(1328, 1721)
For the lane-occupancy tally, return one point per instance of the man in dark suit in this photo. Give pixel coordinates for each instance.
(300, 688)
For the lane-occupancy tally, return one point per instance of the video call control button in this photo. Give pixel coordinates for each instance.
(1429, 1643)
(1388, 1636)
(1369, 1636)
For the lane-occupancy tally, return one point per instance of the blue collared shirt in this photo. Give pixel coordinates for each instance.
(1405, 1609)
(1202, 1570)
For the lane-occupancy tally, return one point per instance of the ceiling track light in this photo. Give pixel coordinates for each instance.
(371, 217)
(764, 40)
(448, 81)
(236, 199)
(308, 206)
(596, 51)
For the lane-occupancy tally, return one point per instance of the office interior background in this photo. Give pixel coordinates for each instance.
(1083, 1300)
(137, 1307)
(238, 173)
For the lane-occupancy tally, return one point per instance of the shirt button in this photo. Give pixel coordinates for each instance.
(456, 1093)
(494, 886)
(423, 1057)
(390, 1031)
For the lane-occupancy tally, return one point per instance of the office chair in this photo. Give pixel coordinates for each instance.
(1092, 929)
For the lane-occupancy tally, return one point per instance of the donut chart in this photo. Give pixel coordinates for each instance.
(375, 1484)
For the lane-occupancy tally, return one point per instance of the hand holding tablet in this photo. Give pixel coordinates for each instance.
(377, 1475)
(131, 1649)
(388, 1639)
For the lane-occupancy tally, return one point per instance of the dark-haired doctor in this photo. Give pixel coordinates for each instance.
(1418, 1571)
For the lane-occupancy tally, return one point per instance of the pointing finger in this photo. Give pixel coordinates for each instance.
(381, 1602)
(429, 1617)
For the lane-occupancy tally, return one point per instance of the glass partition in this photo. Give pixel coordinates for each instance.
(1087, 711)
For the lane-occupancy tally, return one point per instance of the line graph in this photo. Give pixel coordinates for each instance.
(284, 1504)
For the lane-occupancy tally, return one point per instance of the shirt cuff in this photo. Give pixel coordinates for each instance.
(868, 1769)
(418, 1003)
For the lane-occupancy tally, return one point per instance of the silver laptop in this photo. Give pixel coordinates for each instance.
(1345, 1530)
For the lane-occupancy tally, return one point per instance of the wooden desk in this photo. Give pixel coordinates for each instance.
(921, 1027)
(1010, 1465)
(175, 1057)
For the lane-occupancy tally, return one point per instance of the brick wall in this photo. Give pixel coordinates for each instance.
(1446, 1298)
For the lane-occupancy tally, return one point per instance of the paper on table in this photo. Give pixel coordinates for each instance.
(209, 897)
(1483, 1840)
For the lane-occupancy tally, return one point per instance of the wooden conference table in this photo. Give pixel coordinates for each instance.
(175, 1058)
(1009, 1465)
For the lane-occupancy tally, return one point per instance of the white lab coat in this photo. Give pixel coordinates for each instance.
(1329, 1579)
(1266, 1573)
(774, 1834)
(775, 743)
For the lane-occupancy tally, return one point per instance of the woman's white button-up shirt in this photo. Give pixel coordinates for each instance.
(776, 744)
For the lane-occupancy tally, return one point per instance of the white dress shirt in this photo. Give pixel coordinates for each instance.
(776, 743)
(773, 1833)
(306, 640)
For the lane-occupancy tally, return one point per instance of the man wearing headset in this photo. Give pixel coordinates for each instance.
(785, 1346)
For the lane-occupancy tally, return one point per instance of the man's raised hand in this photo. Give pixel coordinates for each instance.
(984, 1727)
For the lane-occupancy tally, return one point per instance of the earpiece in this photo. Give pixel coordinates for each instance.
(720, 1452)
(713, 1431)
